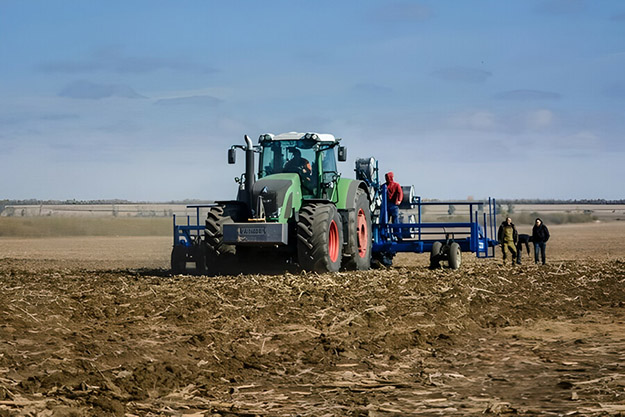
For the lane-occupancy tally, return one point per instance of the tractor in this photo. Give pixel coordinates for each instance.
(296, 207)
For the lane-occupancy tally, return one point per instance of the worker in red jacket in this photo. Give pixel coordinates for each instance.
(394, 196)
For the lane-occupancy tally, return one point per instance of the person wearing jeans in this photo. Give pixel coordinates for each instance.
(394, 197)
(540, 236)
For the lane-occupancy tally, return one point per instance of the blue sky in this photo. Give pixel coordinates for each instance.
(140, 99)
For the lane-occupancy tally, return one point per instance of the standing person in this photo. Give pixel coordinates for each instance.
(394, 197)
(540, 236)
(508, 237)
(523, 240)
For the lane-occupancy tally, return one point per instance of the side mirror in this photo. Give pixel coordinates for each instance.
(232, 156)
(342, 153)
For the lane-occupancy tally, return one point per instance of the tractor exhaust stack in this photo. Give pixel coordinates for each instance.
(249, 168)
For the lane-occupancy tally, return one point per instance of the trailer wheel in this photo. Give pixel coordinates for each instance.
(319, 238)
(435, 255)
(358, 246)
(218, 254)
(178, 260)
(455, 256)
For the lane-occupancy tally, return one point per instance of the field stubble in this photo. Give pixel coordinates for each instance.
(96, 326)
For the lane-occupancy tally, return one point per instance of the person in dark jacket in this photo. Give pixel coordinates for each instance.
(523, 240)
(301, 166)
(540, 236)
(395, 196)
(508, 237)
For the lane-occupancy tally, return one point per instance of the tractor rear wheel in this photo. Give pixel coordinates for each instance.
(435, 255)
(455, 255)
(319, 238)
(358, 248)
(218, 254)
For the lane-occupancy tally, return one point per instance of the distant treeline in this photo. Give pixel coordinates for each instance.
(598, 201)
(112, 202)
(34, 202)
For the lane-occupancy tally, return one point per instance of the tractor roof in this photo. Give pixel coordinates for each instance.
(319, 137)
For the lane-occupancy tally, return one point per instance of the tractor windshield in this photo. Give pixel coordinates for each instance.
(287, 156)
(300, 157)
(294, 156)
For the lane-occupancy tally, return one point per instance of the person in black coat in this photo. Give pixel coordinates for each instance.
(540, 236)
(523, 240)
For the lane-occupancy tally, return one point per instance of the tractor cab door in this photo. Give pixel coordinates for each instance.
(329, 173)
(272, 159)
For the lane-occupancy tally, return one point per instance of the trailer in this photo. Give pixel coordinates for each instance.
(444, 240)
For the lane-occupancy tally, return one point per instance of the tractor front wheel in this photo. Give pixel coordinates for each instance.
(178, 260)
(319, 238)
(218, 254)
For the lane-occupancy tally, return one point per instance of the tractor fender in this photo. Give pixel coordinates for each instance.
(347, 193)
(346, 203)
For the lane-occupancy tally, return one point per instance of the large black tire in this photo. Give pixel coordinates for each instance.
(435, 255)
(178, 260)
(319, 238)
(455, 256)
(358, 249)
(220, 256)
(199, 256)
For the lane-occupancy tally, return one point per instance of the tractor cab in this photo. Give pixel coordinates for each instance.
(310, 155)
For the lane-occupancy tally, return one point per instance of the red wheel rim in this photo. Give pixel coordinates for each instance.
(333, 242)
(363, 234)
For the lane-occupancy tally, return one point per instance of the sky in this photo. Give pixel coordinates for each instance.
(140, 100)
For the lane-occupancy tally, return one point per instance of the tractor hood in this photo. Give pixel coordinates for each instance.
(278, 195)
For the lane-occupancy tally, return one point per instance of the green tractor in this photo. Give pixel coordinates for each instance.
(295, 209)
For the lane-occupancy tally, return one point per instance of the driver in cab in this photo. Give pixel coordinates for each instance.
(299, 165)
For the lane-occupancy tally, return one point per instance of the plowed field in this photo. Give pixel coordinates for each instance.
(97, 326)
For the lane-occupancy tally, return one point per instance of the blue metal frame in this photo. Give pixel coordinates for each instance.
(472, 236)
(187, 234)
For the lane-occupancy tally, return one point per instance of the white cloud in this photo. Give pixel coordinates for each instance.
(582, 144)
(194, 101)
(528, 95)
(478, 120)
(584, 140)
(539, 119)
